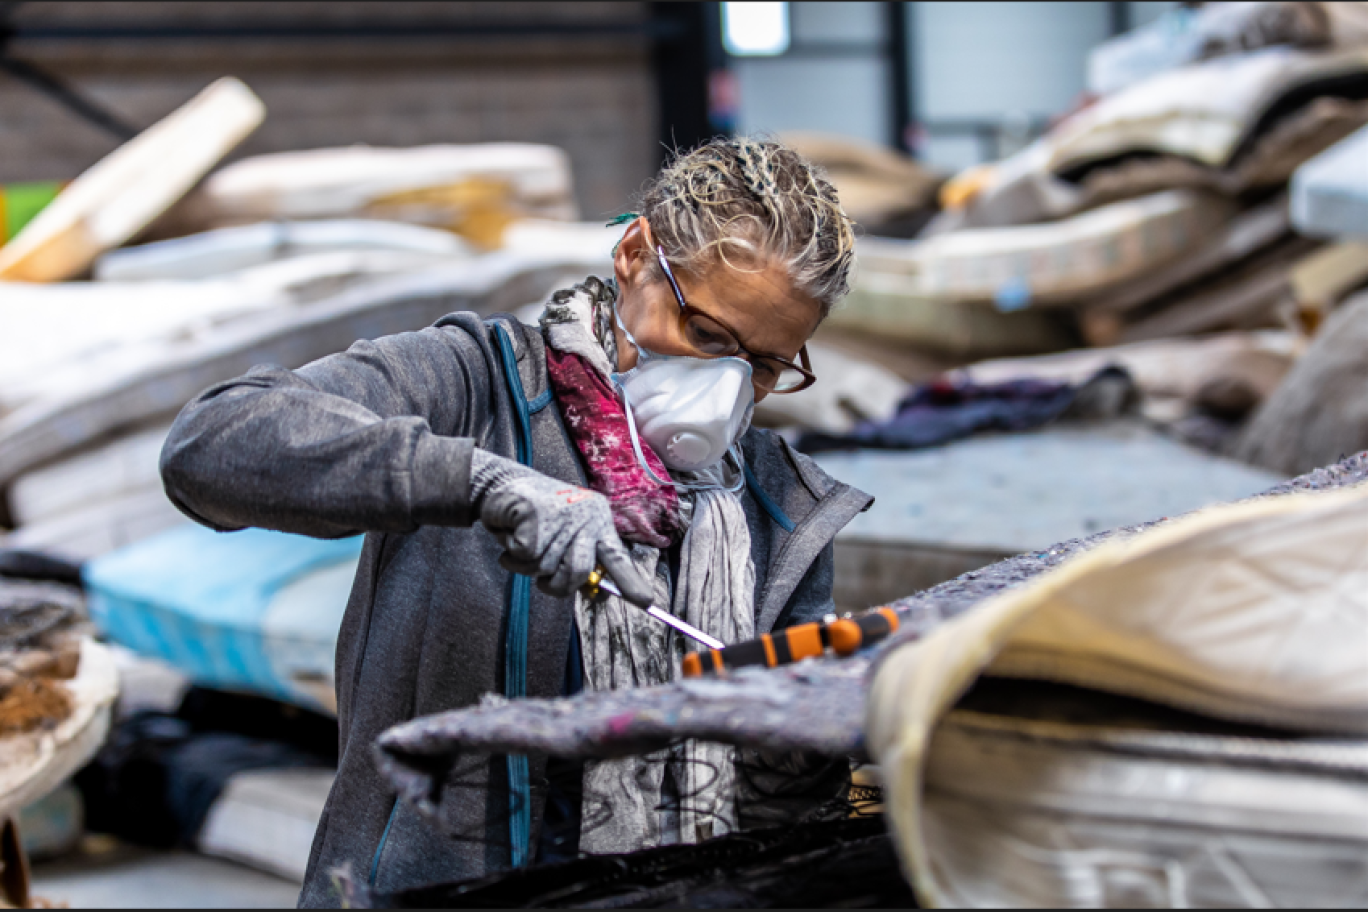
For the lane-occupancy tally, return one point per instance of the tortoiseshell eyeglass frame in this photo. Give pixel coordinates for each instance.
(688, 312)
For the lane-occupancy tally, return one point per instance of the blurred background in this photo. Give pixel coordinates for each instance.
(1108, 263)
(613, 84)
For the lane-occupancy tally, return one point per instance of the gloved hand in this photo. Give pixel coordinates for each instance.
(551, 530)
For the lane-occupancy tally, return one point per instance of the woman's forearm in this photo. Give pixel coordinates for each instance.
(314, 452)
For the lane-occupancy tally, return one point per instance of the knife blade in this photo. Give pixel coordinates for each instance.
(599, 580)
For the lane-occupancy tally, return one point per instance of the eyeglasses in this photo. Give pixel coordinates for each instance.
(712, 338)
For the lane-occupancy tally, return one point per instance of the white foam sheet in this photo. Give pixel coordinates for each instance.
(266, 819)
(99, 528)
(337, 182)
(123, 467)
(59, 339)
(226, 250)
(1329, 194)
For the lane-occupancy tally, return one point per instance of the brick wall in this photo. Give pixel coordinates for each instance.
(590, 93)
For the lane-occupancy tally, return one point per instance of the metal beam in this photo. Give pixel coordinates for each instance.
(682, 67)
(69, 98)
(653, 29)
(1119, 16)
(53, 87)
(902, 113)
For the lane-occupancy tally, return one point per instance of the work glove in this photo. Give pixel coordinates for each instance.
(551, 530)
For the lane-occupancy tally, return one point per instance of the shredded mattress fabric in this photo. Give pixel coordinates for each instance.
(811, 706)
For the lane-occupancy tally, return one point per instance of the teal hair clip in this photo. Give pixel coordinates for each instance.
(622, 220)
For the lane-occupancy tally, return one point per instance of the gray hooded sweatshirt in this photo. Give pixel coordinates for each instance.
(378, 439)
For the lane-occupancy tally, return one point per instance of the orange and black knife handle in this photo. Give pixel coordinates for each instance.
(793, 644)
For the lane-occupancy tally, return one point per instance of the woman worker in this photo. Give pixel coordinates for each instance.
(480, 455)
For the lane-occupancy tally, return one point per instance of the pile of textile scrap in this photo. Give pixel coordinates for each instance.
(58, 687)
(1160, 208)
(41, 625)
(1204, 208)
(1321, 410)
(159, 271)
(1164, 211)
(946, 410)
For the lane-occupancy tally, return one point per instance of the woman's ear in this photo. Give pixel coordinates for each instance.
(632, 257)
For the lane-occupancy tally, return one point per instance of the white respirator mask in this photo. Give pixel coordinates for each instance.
(690, 410)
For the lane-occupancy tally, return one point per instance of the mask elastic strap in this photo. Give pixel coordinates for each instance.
(626, 332)
(734, 451)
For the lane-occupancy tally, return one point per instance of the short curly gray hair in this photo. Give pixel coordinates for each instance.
(756, 198)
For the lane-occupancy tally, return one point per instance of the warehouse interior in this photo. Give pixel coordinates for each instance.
(1048, 584)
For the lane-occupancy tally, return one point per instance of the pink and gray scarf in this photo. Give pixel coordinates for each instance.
(627, 803)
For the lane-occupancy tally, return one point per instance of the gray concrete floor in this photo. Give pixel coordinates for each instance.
(108, 875)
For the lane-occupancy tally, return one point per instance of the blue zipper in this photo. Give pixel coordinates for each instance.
(519, 607)
(766, 502)
(515, 643)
